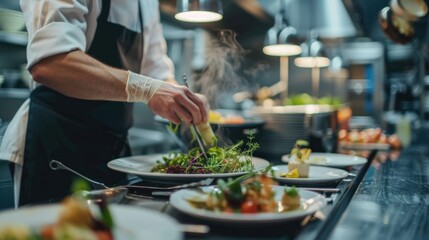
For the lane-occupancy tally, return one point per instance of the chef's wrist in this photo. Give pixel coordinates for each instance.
(141, 88)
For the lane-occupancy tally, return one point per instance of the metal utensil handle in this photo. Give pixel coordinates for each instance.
(200, 143)
(57, 165)
(201, 183)
(327, 190)
(204, 182)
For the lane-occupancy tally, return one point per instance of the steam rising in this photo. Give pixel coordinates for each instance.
(224, 58)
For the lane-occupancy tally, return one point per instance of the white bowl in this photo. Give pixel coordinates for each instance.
(11, 20)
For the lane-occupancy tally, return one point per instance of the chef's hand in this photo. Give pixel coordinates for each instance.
(177, 103)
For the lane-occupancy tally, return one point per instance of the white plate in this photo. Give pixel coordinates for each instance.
(317, 175)
(332, 159)
(131, 223)
(142, 165)
(311, 202)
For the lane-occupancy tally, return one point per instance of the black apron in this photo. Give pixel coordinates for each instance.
(83, 134)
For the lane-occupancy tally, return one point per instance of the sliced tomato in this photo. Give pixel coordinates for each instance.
(249, 207)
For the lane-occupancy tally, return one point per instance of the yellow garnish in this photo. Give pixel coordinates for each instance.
(292, 174)
(215, 117)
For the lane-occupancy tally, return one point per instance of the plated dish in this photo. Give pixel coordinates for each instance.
(332, 160)
(142, 166)
(310, 203)
(317, 175)
(369, 138)
(130, 222)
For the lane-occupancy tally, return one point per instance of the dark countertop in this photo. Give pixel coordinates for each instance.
(392, 201)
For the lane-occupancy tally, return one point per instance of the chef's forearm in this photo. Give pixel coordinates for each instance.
(76, 74)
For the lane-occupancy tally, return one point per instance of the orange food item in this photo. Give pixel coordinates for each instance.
(354, 136)
(233, 120)
(342, 135)
(368, 136)
(394, 141)
(382, 138)
(343, 116)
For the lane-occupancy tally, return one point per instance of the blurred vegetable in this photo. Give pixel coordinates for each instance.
(304, 98)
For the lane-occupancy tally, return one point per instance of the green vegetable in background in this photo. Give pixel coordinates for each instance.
(304, 98)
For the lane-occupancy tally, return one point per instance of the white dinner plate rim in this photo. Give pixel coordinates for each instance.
(311, 180)
(129, 220)
(337, 159)
(315, 200)
(259, 162)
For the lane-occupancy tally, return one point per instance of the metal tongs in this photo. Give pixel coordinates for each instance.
(200, 143)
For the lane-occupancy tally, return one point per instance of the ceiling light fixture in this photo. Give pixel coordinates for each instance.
(199, 10)
(280, 41)
(281, 38)
(313, 56)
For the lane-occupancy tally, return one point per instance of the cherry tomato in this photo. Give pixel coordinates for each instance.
(249, 207)
(104, 235)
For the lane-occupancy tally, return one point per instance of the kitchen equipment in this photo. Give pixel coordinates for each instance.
(110, 195)
(396, 28)
(397, 19)
(116, 194)
(57, 165)
(197, 134)
(286, 124)
(410, 10)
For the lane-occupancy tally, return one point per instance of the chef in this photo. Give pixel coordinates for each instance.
(91, 60)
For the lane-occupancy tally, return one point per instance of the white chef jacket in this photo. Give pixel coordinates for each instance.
(56, 27)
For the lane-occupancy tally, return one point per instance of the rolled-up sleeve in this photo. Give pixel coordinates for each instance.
(55, 27)
(155, 63)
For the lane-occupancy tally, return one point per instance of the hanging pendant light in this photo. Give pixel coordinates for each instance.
(199, 10)
(313, 56)
(280, 39)
(313, 53)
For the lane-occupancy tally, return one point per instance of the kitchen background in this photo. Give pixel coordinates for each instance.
(378, 78)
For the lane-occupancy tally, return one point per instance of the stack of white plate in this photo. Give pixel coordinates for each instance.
(286, 124)
(11, 20)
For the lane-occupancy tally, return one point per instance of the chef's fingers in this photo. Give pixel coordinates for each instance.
(182, 113)
(202, 103)
(173, 118)
(191, 103)
(173, 102)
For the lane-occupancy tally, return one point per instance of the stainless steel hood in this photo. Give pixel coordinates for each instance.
(329, 17)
